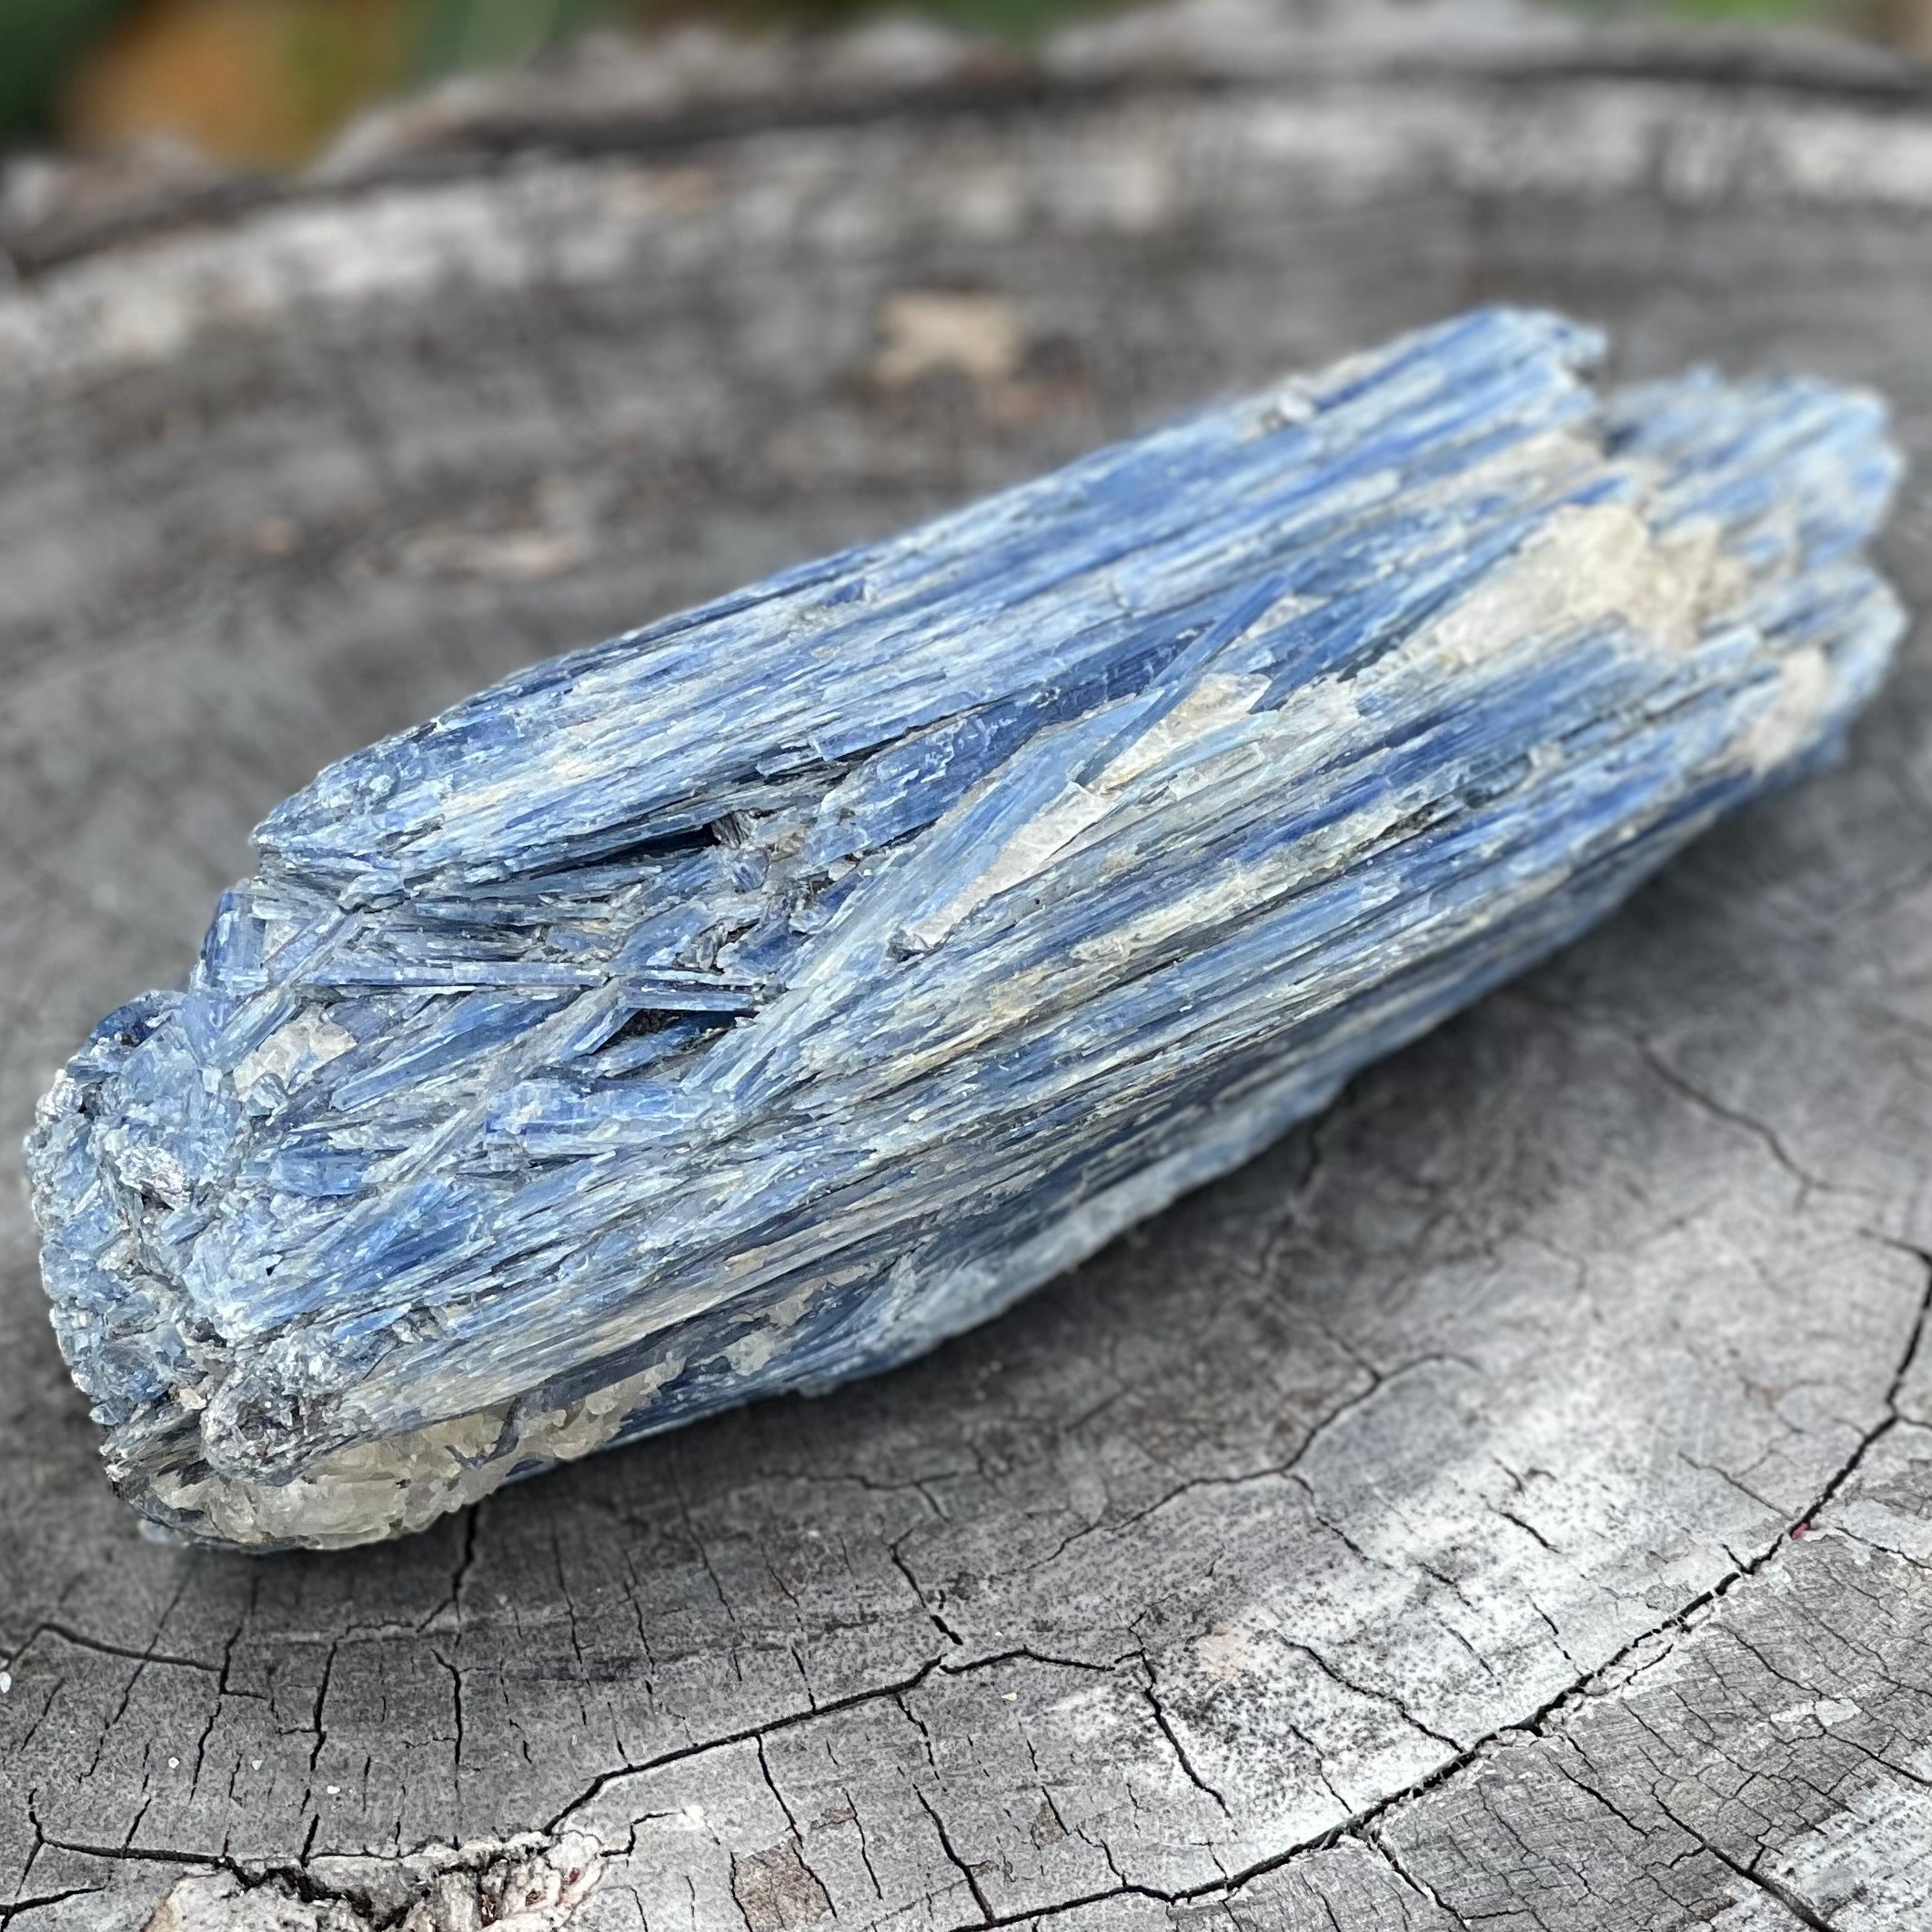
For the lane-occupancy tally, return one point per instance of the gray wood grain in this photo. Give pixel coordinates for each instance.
(1508, 1502)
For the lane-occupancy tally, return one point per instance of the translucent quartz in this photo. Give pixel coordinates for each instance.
(753, 1001)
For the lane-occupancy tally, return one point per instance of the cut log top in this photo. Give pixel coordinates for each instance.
(1506, 1502)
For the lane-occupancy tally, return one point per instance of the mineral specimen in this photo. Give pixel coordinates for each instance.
(757, 998)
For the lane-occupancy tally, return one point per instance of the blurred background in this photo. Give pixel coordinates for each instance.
(268, 83)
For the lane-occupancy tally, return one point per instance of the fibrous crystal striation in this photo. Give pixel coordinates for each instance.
(753, 1001)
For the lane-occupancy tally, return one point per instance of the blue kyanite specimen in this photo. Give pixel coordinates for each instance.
(753, 1001)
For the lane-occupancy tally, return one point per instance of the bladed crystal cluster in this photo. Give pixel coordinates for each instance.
(755, 1000)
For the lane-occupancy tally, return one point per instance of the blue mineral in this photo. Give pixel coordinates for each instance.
(754, 999)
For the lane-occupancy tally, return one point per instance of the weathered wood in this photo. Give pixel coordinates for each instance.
(1508, 1503)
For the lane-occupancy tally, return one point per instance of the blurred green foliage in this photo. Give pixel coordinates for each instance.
(42, 42)
(453, 35)
(38, 40)
(1767, 10)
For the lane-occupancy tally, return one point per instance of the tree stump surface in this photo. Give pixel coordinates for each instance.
(1506, 1502)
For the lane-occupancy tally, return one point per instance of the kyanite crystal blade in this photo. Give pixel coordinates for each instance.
(753, 1001)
